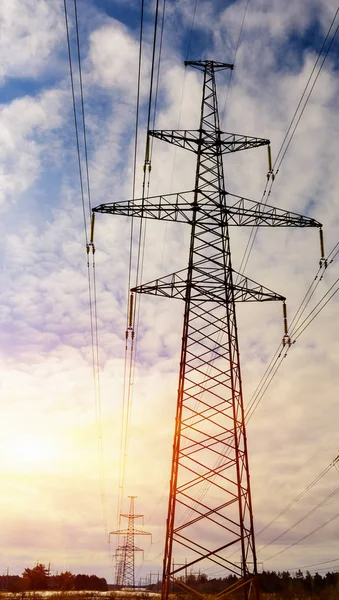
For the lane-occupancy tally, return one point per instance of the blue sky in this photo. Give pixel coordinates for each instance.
(49, 444)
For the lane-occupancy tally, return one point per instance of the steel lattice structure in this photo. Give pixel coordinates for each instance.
(125, 553)
(210, 520)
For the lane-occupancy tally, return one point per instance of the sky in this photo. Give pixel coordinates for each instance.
(51, 461)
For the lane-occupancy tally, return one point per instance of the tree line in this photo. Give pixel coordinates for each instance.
(273, 585)
(39, 579)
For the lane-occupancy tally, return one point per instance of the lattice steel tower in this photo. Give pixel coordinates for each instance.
(210, 520)
(125, 553)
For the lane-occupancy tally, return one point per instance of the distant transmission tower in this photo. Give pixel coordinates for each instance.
(210, 519)
(124, 554)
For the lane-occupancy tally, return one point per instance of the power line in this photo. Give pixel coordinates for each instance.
(158, 69)
(134, 306)
(305, 301)
(75, 120)
(147, 163)
(82, 105)
(294, 501)
(282, 151)
(126, 382)
(273, 366)
(93, 295)
(281, 353)
(191, 30)
(304, 537)
(310, 92)
(298, 497)
(234, 59)
(89, 244)
(269, 375)
(146, 187)
(307, 321)
(301, 519)
(325, 562)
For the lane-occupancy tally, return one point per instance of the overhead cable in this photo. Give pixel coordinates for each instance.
(283, 150)
(89, 245)
(75, 121)
(305, 537)
(234, 59)
(126, 404)
(297, 498)
(288, 137)
(301, 519)
(133, 311)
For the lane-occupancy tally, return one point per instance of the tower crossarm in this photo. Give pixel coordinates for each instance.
(131, 548)
(244, 212)
(208, 287)
(126, 531)
(247, 290)
(140, 532)
(208, 142)
(179, 207)
(168, 207)
(211, 65)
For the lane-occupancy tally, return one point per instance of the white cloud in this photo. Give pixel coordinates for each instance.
(114, 55)
(31, 46)
(25, 129)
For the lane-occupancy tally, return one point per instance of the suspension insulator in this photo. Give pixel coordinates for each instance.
(269, 158)
(323, 261)
(285, 318)
(130, 312)
(270, 172)
(286, 341)
(92, 227)
(147, 150)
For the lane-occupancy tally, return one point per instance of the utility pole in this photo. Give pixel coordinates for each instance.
(210, 517)
(125, 553)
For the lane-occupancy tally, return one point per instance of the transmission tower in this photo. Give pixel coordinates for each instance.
(210, 519)
(125, 553)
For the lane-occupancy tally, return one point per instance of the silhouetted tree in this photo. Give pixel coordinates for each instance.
(65, 581)
(36, 578)
(318, 583)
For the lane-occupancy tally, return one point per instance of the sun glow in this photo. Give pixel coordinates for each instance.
(29, 452)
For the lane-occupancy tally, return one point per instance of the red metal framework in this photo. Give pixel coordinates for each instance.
(210, 520)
